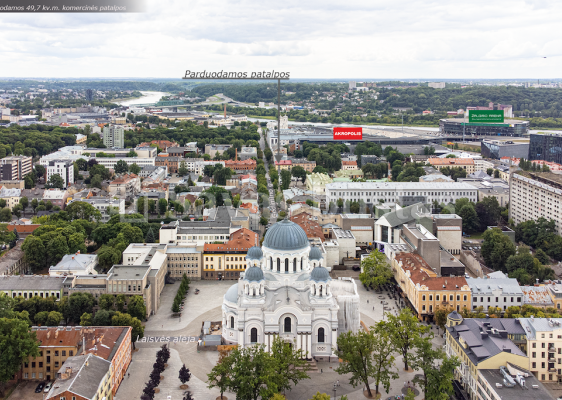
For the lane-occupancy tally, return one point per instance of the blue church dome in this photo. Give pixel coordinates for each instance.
(253, 274)
(254, 253)
(320, 274)
(315, 253)
(285, 235)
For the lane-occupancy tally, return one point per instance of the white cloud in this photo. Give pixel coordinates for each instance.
(312, 39)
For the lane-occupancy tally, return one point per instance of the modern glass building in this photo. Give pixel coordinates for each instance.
(497, 149)
(547, 147)
(454, 126)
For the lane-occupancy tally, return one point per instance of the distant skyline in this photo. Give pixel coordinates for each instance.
(312, 39)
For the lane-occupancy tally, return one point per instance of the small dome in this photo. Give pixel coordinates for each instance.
(315, 253)
(232, 294)
(254, 253)
(253, 274)
(285, 235)
(320, 274)
(454, 316)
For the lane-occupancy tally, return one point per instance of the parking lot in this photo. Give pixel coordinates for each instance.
(26, 391)
(474, 245)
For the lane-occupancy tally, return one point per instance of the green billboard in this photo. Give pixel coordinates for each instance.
(488, 116)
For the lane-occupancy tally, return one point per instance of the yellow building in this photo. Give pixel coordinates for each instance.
(227, 260)
(482, 344)
(544, 347)
(425, 291)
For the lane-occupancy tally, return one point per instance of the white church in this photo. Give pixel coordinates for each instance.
(287, 292)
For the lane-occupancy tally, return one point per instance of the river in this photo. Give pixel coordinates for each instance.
(147, 97)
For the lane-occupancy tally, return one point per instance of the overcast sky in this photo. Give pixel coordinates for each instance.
(309, 38)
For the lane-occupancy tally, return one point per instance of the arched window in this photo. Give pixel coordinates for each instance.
(301, 263)
(278, 265)
(320, 335)
(271, 263)
(295, 265)
(287, 324)
(320, 291)
(254, 335)
(232, 322)
(286, 265)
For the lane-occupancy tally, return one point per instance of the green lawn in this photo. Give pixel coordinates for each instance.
(475, 236)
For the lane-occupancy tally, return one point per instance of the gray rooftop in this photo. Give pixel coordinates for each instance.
(31, 282)
(534, 388)
(128, 272)
(406, 214)
(482, 341)
(88, 372)
(481, 286)
(534, 325)
(73, 262)
(437, 186)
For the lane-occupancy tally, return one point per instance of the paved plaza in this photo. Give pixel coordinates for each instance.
(206, 306)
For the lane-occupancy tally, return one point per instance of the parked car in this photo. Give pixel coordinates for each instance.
(48, 387)
(39, 387)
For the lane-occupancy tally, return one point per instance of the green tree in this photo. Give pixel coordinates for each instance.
(441, 316)
(103, 318)
(375, 270)
(78, 304)
(17, 344)
(86, 319)
(540, 255)
(55, 182)
(150, 238)
(136, 307)
(249, 373)
(107, 257)
(470, 222)
(121, 167)
(120, 319)
(437, 370)
(106, 302)
(496, 173)
(34, 251)
(490, 171)
(285, 179)
(496, 249)
(182, 170)
(82, 210)
(96, 181)
(355, 350)
(321, 396)
(289, 365)
(134, 169)
(41, 318)
(299, 173)
(383, 360)
(162, 206)
(405, 331)
(54, 318)
(489, 212)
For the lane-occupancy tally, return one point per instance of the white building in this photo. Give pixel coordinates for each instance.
(498, 292)
(63, 168)
(109, 162)
(75, 264)
(535, 195)
(436, 85)
(404, 193)
(352, 85)
(286, 292)
(114, 136)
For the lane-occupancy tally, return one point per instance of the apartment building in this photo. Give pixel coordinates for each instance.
(96, 386)
(13, 261)
(107, 206)
(63, 168)
(483, 345)
(57, 197)
(304, 163)
(284, 164)
(109, 162)
(11, 196)
(15, 167)
(535, 195)
(404, 193)
(170, 162)
(114, 136)
(464, 163)
(126, 185)
(349, 165)
(544, 347)
(247, 153)
(236, 165)
(214, 149)
(228, 260)
(425, 291)
(497, 292)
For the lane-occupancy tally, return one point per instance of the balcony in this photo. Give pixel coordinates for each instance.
(551, 349)
(552, 370)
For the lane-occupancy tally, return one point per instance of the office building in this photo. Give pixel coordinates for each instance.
(404, 193)
(63, 168)
(497, 149)
(464, 163)
(114, 136)
(184, 260)
(498, 292)
(15, 167)
(547, 147)
(352, 85)
(456, 127)
(534, 195)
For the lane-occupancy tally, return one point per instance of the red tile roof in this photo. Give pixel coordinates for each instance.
(310, 226)
(241, 240)
(421, 272)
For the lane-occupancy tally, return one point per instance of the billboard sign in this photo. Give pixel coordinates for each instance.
(348, 133)
(485, 116)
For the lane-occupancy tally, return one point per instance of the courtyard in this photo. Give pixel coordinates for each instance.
(206, 306)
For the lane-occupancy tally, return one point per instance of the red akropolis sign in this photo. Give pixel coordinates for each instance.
(348, 133)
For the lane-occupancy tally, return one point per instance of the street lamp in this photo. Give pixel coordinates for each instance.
(335, 395)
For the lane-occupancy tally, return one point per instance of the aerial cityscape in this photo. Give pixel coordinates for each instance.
(308, 202)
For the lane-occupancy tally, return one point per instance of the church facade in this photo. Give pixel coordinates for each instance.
(287, 292)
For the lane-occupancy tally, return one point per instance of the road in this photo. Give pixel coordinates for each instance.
(272, 204)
